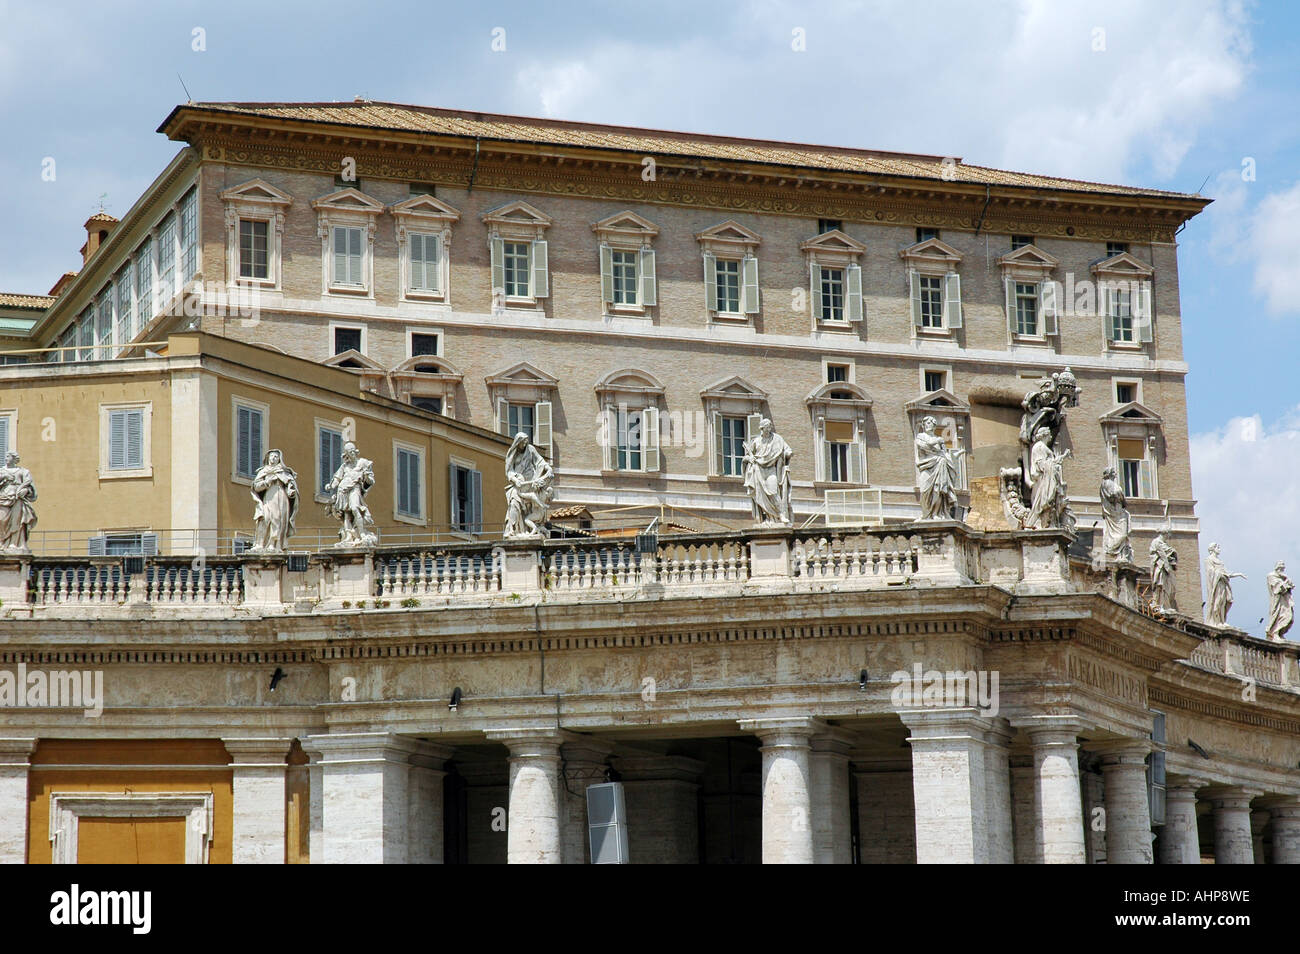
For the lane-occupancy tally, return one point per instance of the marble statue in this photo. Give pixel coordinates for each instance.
(1164, 561)
(936, 473)
(1048, 504)
(1115, 542)
(1281, 603)
(347, 491)
(767, 475)
(529, 489)
(1219, 583)
(275, 491)
(17, 516)
(1034, 495)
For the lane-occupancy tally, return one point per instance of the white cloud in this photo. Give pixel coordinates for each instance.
(1274, 237)
(1247, 484)
(1021, 86)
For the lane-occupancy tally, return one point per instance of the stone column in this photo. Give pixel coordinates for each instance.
(1180, 842)
(1285, 812)
(365, 797)
(1233, 842)
(949, 787)
(1094, 809)
(1058, 801)
(15, 763)
(662, 796)
(1028, 840)
(829, 798)
(259, 797)
(533, 827)
(424, 810)
(787, 808)
(997, 794)
(1258, 822)
(585, 762)
(1128, 808)
(886, 819)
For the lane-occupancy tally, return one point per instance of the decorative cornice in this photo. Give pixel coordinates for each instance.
(802, 193)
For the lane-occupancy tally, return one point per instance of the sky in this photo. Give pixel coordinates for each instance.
(1188, 95)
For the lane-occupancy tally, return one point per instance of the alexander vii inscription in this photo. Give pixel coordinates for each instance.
(1110, 681)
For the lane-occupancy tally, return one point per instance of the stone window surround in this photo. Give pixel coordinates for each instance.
(502, 224)
(730, 241)
(833, 249)
(423, 519)
(524, 384)
(332, 211)
(1030, 264)
(1136, 382)
(732, 397)
(627, 232)
(346, 326)
(318, 424)
(932, 258)
(68, 808)
(256, 200)
(420, 330)
(1148, 428)
(410, 383)
(632, 390)
(146, 441)
(823, 409)
(11, 414)
(1124, 267)
(844, 362)
(236, 402)
(430, 216)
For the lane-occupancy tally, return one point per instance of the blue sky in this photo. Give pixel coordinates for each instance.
(1177, 95)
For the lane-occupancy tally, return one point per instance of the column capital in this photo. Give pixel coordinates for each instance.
(1052, 729)
(1230, 796)
(531, 741)
(1280, 806)
(246, 753)
(350, 748)
(1184, 783)
(16, 751)
(585, 748)
(1120, 751)
(834, 741)
(797, 731)
(429, 755)
(942, 723)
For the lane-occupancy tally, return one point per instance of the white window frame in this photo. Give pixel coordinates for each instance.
(471, 466)
(853, 411)
(256, 199)
(239, 250)
(629, 234)
(732, 397)
(424, 215)
(1137, 389)
(411, 332)
(933, 259)
(347, 208)
(146, 442)
(524, 384)
(630, 390)
(1030, 265)
(422, 518)
(1147, 467)
(1124, 273)
(944, 369)
(851, 364)
(237, 402)
(835, 250)
(317, 425)
(68, 808)
(731, 242)
(519, 222)
(350, 326)
(10, 416)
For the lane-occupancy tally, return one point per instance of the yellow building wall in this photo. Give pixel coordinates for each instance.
(100, 842)
(58, 438)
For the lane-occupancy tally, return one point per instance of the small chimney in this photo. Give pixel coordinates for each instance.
(98, 228)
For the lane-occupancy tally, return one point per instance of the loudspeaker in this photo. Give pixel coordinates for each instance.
(607, 824)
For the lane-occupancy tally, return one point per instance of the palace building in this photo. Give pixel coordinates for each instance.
(658, 679)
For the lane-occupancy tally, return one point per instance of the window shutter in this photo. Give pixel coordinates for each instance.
(915, 278)
(853, 293)
(1107, 303)
(451, 496)
(749, 290)
(541, 269)
(751, 426)
(498, 253)
(1048, 297)
(1011, 305)
(542, 427)
(325, 444)
(609, 438)
(503, 417)
(4, 437)
(476, 501)
(255, 443)
(649, 291)
(1146, 481)
(354, 256)
(855, 462)
(415, 258)
(717, 445)
(710, 281)
(97, 545)
(814, 286)
(650, 439)
(1145, 317)
(606, 274)
(117, 440)
(952, 300)
(245, 454)
(340, 255)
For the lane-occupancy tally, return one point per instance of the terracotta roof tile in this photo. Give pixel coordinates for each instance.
(12, 300)
(428, 119)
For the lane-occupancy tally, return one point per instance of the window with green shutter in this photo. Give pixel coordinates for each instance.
(329, 455)
(250, 426)
(410, 500)
(126, 439)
